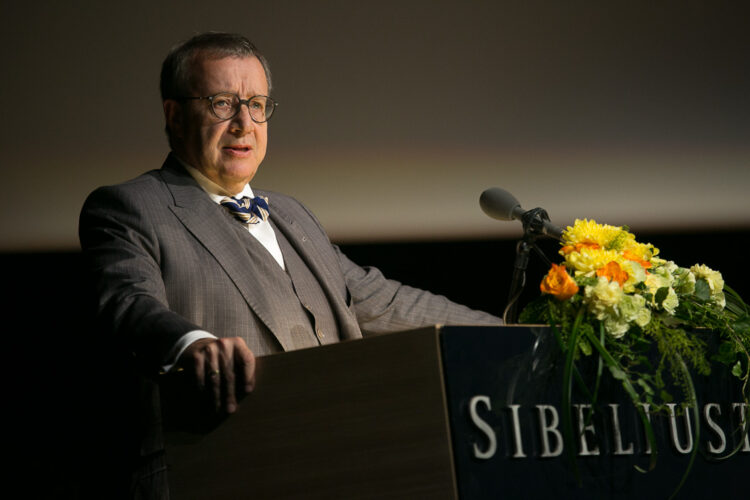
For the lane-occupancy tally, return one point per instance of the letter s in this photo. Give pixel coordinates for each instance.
(484, 427)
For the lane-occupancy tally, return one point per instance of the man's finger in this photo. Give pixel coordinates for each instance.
(226, 359)
(199, 361)
(245, 364)
(213, 374)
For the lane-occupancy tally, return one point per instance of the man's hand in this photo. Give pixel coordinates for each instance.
(222, 369)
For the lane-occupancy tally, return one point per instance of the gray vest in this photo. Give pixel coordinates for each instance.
(308, 317)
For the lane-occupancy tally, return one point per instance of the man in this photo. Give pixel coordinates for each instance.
(189, 274)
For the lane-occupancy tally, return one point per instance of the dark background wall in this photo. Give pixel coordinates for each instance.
(69, 406)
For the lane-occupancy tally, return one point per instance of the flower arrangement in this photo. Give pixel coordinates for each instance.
(617, 297)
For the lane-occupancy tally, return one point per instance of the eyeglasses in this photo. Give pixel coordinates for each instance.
(227, 105)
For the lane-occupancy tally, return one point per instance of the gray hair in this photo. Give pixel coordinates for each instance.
(176, 68)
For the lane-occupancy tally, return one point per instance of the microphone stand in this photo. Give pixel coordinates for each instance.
(533, 227)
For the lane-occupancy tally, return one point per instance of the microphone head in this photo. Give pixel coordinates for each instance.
(499, 204)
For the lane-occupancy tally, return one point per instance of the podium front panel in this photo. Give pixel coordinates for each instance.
(363, 419)
(504, 389)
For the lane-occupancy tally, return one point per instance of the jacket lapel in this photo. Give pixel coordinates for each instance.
(205, 221)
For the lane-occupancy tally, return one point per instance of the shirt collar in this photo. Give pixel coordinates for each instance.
(216, 192)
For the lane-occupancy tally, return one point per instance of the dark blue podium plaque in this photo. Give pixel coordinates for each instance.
(504, 388)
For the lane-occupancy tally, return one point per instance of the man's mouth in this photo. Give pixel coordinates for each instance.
(238, 148)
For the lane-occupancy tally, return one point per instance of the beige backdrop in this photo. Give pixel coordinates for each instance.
(395, 115)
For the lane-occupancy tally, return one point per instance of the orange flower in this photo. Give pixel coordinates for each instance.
(558, 283)
(578, 246)
(631, 256)
(613, 272)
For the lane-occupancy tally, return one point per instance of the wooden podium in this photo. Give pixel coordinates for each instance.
(359, 419)
(409, 416)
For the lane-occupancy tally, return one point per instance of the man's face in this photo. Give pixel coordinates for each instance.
(226, 151)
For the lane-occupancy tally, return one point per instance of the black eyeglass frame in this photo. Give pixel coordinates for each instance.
(246, 102)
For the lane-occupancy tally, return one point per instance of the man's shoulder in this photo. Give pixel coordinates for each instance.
(151, 185)
(144, 180)
(145, 186)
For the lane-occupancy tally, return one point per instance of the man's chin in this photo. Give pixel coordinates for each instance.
(234, 180)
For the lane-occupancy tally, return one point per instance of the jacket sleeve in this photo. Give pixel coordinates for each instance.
(384, 305)
(122, 260)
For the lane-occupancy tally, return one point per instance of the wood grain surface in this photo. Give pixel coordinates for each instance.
(363, 419)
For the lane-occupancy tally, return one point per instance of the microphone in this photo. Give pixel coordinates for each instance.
(500, 204)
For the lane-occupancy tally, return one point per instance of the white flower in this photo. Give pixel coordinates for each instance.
(643, 317)
(633, 310)
(713, 278)
(671, 302)
(656, 280)
(685, 281)
(603, 297)
(616, 327)
(636, 274)
(607, 301)
(670, 267)
(719, 300)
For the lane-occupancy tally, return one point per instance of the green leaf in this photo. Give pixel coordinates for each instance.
(726, 353)
(536, 311)
(583, 281)
(737, 370)
(661, 294)
(665, 396)
(585, 347)
(742, 325)
(702, 290)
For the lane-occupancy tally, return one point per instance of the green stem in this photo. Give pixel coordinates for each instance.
(599, 368)
(619, 373)
(696, 424)
(576, 373)
(567, 392)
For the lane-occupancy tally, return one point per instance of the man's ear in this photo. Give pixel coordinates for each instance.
(173, 117)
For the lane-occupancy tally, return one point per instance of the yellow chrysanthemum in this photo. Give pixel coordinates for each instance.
(588, 231)
(588, 260)
(640, 252)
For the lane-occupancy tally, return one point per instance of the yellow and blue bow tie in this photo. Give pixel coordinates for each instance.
(247, 210)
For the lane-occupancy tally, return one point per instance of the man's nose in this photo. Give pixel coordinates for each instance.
(242, 123)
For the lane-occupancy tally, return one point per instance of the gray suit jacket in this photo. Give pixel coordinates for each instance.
(165, 260)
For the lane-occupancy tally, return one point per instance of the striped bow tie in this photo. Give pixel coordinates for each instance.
(247, 210)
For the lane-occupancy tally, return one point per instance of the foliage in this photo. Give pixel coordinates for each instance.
(614, 296)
